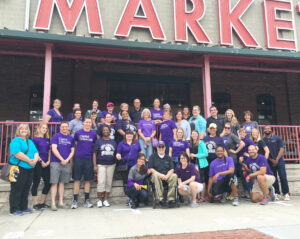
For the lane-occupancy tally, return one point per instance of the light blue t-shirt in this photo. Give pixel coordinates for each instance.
(18, 145)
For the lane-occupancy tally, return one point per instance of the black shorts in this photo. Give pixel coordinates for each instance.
(223, 186)
(83, 167)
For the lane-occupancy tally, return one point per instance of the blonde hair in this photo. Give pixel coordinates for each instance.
(197, 106)
(233, 120)
(38, 132)
(144, 111)
(18, 134)
(183, 137)
(258, 133)
(122, 105)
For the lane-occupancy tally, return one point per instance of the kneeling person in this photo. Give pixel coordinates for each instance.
(162, 169)
(83, 163)
(262, 174)
(221, 177)
(188, 180)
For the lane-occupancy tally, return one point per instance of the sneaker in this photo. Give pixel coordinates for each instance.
(235, 202)
(287, 197)
(128, 202)
(223, 199)
(272, 193)
(277, 197)
(194, 205)
(53, 207)
(106, 203)
(132, 205)
(99, 204)
(171, 203)
(37, 207)
(17, 213)
(44, 206)
(28, 211)
(229, 198)
(88, 203)
(265, 201)
(74, 205)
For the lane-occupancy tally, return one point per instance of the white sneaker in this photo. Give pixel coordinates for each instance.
(106, 203)
(74, 204)
(277, 197)
(287, 197)
(99, 203)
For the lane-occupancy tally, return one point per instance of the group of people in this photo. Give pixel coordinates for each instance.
(202, 158)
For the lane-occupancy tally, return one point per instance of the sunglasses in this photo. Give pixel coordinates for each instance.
(161, 147)
(227, 128)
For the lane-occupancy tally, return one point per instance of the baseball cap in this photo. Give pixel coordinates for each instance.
(213, 125)
(110, 104)
(161, 143)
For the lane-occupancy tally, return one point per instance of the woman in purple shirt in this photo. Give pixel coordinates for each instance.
(127, 153)
(178, 146)
(146, 131)
(156, 112)
(188, 179)
(55, 116)
(167, 130)
(42, 168)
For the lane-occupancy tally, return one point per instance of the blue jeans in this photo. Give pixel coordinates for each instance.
(146, 150)
(137, 195)
(280, 169)
(175, 160)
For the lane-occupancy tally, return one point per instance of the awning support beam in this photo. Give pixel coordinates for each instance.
(206, 81)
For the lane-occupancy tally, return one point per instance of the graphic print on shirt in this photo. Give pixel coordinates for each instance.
(107, 150)
(211, 147)
(64, 141)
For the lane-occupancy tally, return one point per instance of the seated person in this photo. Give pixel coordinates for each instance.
(188, 179)
(136, 190)
(259, 169)
(162, 168)
(221, 177)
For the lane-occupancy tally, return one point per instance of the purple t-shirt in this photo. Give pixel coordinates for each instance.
(218, 166)
(166, 131)
(157, 114)
(43, 146)
(129, 153)
(211, 145)
(103, 114)
(187, 173)
(247, 142)
(64, 144)
(255, 164)
(147, 127)
(56, 118)
(105, 150)
(178, 147)
(85, 141)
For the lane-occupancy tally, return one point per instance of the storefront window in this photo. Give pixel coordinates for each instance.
(222, 101)
(266, 109)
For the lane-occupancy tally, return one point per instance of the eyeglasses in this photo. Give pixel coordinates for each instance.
(227, 127)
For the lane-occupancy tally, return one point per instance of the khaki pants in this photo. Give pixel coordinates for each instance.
(270, 179)
(172, 180)
(105, 177)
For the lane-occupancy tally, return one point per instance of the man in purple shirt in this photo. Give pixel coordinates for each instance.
(221, 177)
(62, 145)
(83, 163)
(259, 170)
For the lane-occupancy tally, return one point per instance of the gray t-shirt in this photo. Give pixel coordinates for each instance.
(74, 126)
(231, 141)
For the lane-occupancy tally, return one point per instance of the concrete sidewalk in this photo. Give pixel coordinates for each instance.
(279, 219)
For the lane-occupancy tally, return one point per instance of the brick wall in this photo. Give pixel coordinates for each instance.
(76, 81)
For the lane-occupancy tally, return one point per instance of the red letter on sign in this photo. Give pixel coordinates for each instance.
(230, 19)
(185, 20)
(130, 19)
(273, 24)
(69, 14)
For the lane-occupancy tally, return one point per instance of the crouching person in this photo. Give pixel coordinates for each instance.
(136, 190)
(221, 177)
(188, 179)
(260, 171)
(162, 169)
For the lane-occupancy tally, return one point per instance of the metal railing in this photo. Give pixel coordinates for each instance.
(290, 135)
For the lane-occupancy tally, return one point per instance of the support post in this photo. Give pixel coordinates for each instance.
(47, 79)
(206, 85)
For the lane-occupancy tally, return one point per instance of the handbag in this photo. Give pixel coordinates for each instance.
(154, 142)
(10, 172)
(124, 168)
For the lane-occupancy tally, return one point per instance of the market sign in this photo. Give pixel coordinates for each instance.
(278, 17)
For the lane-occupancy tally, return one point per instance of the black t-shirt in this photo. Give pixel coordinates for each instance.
(135, 115)
(261, 144)
(112, 131)
(161, 165)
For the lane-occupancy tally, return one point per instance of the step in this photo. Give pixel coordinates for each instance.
(292, 166)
